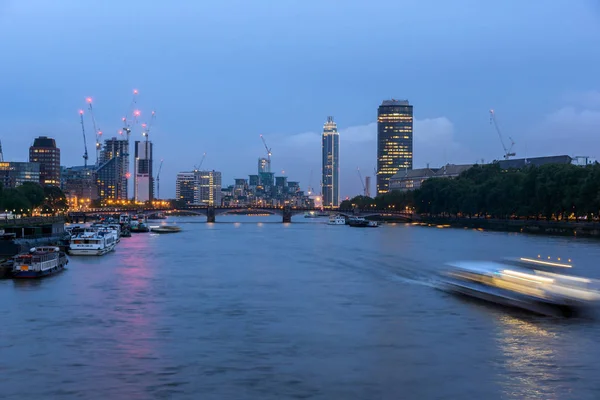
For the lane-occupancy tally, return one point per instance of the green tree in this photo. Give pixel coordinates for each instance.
(33, 193)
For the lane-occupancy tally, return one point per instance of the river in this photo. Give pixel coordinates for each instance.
(250, 308)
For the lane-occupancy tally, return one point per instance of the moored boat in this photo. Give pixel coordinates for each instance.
(92, 244)
(337, 220)
(39, 262)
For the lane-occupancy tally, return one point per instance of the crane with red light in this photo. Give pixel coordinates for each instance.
(97, 131)
(85, 154)
(268, 153)
(158, 180)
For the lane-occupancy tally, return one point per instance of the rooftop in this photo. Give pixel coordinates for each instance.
(535, 161)
(394, 102)
(44, 141)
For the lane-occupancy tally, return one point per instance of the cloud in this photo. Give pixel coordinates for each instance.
(588, 99)
(575, 131)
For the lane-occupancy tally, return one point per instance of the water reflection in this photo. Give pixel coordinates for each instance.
(529, 357)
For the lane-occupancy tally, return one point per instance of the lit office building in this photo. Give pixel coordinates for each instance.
(47, 155)
(331, 167)
(394, 140)
(209, 187)
(13, 174)
(112, 172)
(79, 185)
(143, 189)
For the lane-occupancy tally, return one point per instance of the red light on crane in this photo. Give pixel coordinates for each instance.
(80, 112)
(89, 99)
(99, 133)
(135, 91)
(137, 113)
(128, 175)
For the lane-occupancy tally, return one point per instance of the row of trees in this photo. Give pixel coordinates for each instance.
(29, 196)
(558, 191)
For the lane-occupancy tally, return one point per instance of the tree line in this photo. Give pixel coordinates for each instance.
(29, 196)
(552, 191)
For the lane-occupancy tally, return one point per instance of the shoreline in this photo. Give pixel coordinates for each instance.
(548, 228)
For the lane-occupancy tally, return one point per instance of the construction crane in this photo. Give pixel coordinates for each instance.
(97, 132)
(361, 181)
(85, 154)
(197, 167)
(146, 132)
(507, 152)
(268, 153)
(130, 112)
(158, 179)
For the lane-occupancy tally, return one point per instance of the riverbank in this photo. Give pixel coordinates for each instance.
(538, 227)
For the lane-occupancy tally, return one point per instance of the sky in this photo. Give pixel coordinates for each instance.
(220, 73)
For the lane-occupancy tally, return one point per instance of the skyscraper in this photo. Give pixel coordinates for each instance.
(112, 171)
(45, 153)
(331, 166)
(263, 165)
(143, 187)
(394, 140)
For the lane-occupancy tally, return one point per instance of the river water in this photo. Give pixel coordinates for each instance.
(249, 308)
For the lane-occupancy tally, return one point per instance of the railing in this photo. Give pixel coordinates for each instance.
(10, 221)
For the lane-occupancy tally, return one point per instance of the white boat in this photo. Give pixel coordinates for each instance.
(39, 262)
(337, 220)
(92, 244)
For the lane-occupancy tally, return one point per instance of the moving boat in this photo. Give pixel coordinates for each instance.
(337, 220)
(92, 244)
(531, 284)
(360, 222)
(39, 262)
(310, 214)
(165, 229)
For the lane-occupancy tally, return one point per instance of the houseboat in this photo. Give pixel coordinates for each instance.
(39, 262)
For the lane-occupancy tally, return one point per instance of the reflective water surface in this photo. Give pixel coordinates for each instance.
(249, 308)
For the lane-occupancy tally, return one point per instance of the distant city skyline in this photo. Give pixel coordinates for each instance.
(220, 78)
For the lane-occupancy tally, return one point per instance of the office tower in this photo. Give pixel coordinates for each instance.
(368, 186)
(331, 167)
(186, 188)
(394, 140)
(112, 171)
(45, 153)
(209, 187)
(143, 189)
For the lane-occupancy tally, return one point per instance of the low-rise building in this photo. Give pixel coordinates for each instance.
(15, 173)
(412, 179)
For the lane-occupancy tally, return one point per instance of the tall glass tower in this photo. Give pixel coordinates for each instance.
(394, 140)
(330, 187)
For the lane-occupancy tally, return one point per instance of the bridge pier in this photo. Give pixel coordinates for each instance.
(287, 214)
(210, 214)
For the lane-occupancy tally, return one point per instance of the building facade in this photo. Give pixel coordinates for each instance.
(186, 188)
(199, 187)
(263, 165)
(143, 189)
(209, 187)
(394, 140)
(47, 155)
(112, 173)
(13, 174)
(331, 167)
(80, 185)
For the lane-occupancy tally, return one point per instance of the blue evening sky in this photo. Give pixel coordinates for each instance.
(220, 73)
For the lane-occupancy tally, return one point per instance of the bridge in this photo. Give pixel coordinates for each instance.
(211, 212)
